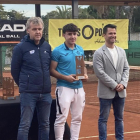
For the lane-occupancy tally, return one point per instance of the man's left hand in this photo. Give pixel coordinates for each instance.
(119, 87)
(86, 78)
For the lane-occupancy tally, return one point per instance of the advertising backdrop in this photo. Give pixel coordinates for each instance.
(12, 31)
(90, 32)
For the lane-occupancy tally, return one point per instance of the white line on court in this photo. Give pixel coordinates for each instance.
(90, 96)
(109, 135)
(133, 93)
(125, 101)
(93, 102)
(132, 100)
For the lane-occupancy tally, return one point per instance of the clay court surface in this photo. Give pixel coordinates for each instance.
(89, 128)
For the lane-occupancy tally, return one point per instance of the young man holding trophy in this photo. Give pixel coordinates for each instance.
(68, 67)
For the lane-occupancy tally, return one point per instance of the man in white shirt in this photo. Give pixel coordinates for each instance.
(112, 69)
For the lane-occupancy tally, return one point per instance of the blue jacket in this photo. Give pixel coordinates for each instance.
(30, 66)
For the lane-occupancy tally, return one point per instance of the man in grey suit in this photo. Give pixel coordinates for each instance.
(112, 69)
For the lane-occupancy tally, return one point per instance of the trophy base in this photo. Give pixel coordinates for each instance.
(80, 77)
(8, 97)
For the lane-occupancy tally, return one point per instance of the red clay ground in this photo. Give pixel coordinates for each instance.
(89, 129)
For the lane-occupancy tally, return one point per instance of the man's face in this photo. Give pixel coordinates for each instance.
(35, 32)
(70, 37)
(110, 36)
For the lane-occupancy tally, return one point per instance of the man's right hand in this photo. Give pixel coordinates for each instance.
(70, 78)
(119, 87)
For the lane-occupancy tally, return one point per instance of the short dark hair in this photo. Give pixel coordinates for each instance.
(70, 28)
(108, 26)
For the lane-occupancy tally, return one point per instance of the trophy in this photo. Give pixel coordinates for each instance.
(79, 67)
(8, 88)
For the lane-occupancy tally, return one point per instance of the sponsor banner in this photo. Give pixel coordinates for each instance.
(90, 32)
(12, 31)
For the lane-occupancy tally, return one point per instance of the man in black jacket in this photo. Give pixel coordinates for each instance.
(30, 70)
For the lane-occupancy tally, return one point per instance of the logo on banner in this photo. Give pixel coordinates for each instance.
(11, 31)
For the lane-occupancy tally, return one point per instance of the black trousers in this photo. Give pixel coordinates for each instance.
(10, 118)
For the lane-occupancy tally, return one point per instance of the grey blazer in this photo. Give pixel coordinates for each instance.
(108, 75)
